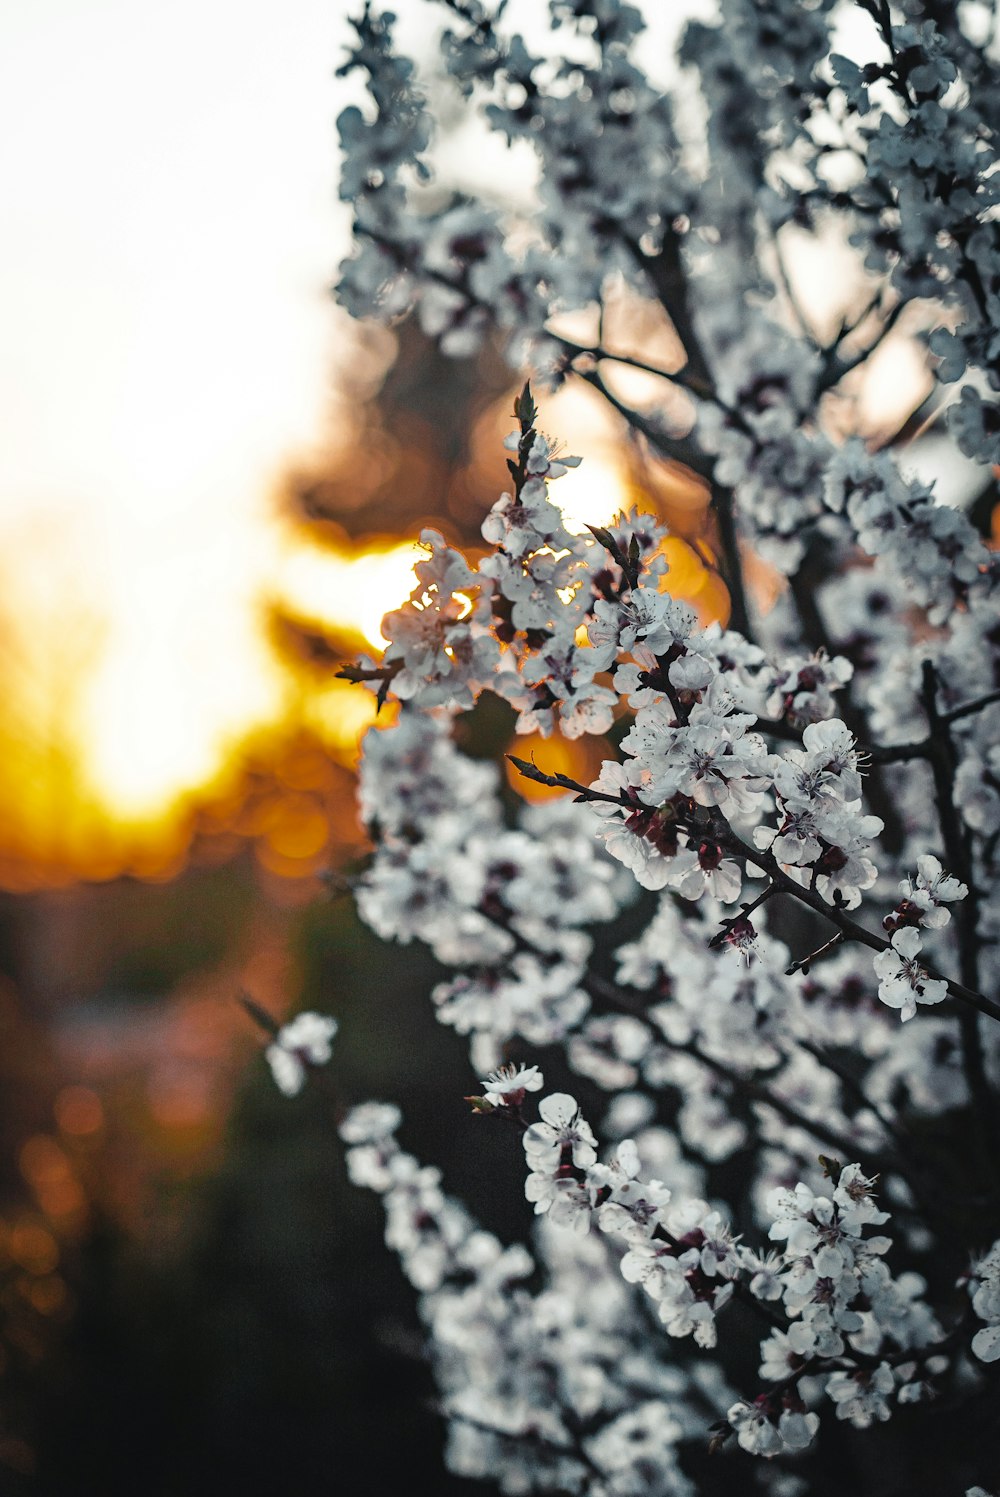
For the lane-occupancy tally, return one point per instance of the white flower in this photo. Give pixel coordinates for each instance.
(802, 691)
(786, 1351)
(903, 983)
(761, 1433)
(797, 1428)
(630, 1206)
(370, 1122)
(931, 890)
(706, 871)
(506, 1087)
(862, 1397)
(652, 1264)
(766, 1270)
(755, 1430)
(562, 1130)
(855, 1201)
(986, 1343)
(986, 1304)
(824, 770)
(305, 1042)
(566, 1201)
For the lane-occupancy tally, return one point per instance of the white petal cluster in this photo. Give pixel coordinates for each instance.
(985, 1286)
(903, 982)
(931, 547)
(508, 1085)
(520, 1369)
(447, 873)
(305, 1042)
(928, 895)
(760, 1432)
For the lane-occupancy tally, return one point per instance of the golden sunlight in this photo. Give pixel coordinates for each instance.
(590, 495)
(349, 591)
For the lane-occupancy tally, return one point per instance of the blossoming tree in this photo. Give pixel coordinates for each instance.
(775, 1228)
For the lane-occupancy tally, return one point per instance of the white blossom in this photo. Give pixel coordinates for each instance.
(986, 1304)
(305, 1042)
(903, 982)
(507, 1086)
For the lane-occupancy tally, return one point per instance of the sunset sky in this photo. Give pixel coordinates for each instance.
(171, 228)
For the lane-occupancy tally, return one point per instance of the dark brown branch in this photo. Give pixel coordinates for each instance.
(968, 708)
(684, 380)
(730, 842)
(675, 449)
(754, 1090)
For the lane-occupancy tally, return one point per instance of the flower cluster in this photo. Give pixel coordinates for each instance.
(985, 1283)
(733, 766)
(297, 1047)
(550, 1386)
(791, 843)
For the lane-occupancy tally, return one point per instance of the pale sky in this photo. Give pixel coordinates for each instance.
(168, 176)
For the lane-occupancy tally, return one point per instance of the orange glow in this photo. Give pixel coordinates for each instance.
(48, 1295)
(116, 716)
(590, 495)
(78, 1111)
(33, 1247)
(580, 758)
(152, 702)
(42, 1161)
(688, 574)
(350, 591)
(55, 1186)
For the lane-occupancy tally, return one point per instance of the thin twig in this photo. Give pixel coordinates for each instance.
(968, 708)
(679, 377)
(730, 842)
(675, 449)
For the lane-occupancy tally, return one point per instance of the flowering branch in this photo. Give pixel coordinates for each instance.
(721, 1059)
(849, 929)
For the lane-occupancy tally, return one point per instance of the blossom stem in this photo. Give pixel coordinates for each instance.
(791, 295)
(529, 1437)
(850, 928)
(892, 753)
(838, 368)
(927, 1190)
(751, 1088)
(968, 708)
(899, 752)
(725, 514)
(746, 910)
(805, 962)
(684, 379)
(674, 449)
(730, 842)
(855, 1360)
(741, 1291)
